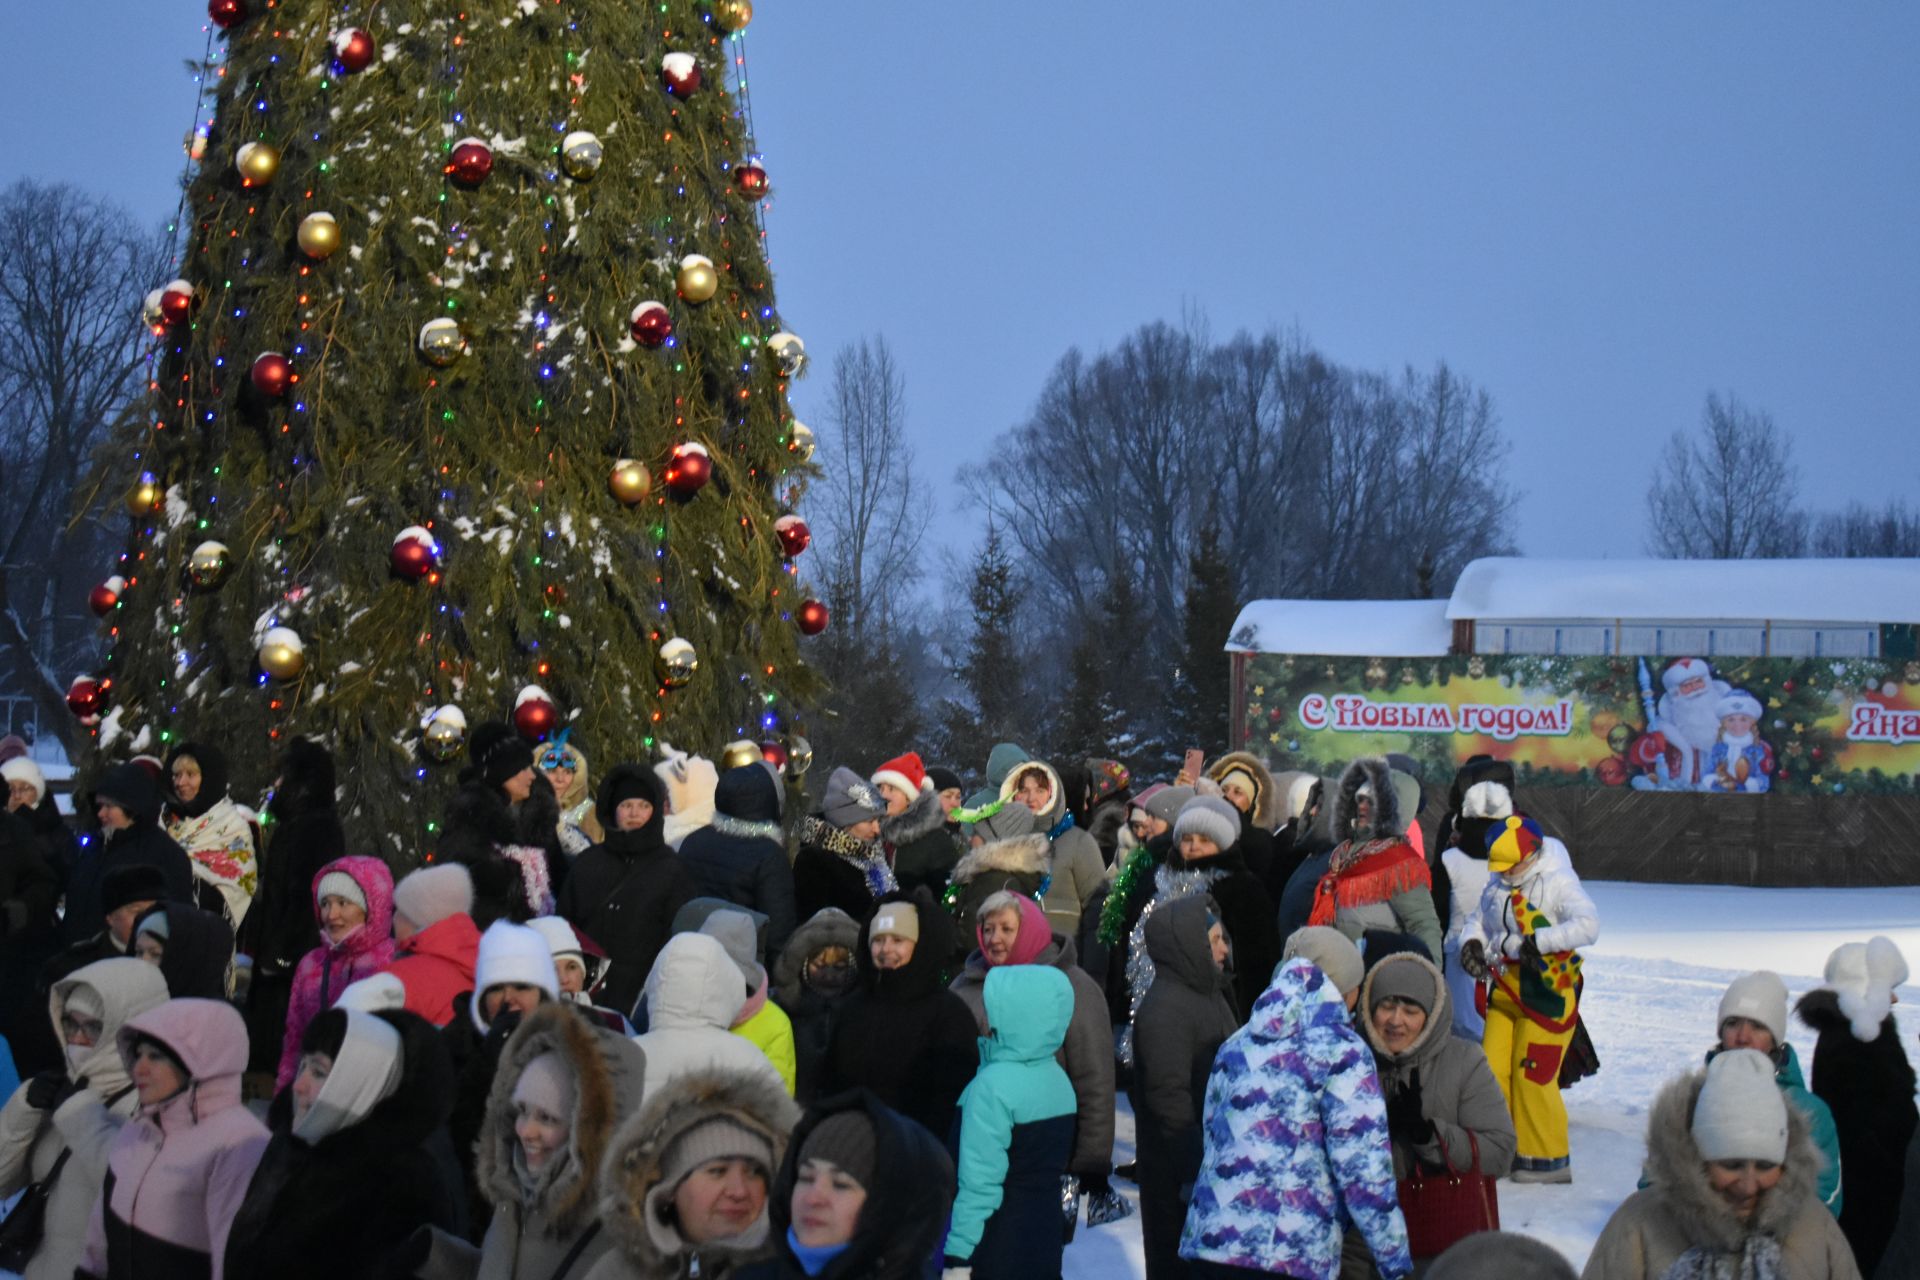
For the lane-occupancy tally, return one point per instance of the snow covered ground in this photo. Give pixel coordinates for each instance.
(1666, 953)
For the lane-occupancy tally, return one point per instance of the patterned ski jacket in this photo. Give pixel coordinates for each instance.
(1296, 1142)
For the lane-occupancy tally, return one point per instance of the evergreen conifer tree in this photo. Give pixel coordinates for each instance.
(1205, 677)
(991, 671)
(416, 252)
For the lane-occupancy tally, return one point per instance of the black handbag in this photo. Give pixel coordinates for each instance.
(23, 1228)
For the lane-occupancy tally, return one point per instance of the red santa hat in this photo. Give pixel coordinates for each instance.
(1683, 670)
(904, 772)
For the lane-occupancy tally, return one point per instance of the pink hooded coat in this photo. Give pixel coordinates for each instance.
(327, 970)
(178, 1171)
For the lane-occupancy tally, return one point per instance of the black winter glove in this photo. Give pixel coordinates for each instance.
(1473, 958)
(1406, 1121)
(46, 1091)
(1530, 955)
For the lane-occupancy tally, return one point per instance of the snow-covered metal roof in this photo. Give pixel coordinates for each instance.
(1512, 587)
(1352, 628)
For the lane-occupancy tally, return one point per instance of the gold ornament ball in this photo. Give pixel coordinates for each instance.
(630, 481)
(208, 565)
(738, 753)
(697, 280)
(732, 15)
(445, 735)
(799, 756)
(319, 236)
(441, 341)
(581, 155)
(144, 496)
(257, 163)
(677, 663)
(282, 655)
(800, 441)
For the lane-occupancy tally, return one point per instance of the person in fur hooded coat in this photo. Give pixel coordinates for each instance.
(1375, 878)
(1861, 1072)
(1247, 784)
(915, 827)
(813, 977)
(1077, 875)
(1731, 1191)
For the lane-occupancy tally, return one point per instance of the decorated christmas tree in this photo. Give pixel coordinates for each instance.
(469, 402)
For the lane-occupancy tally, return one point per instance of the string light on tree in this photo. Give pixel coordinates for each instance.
(283, 655)
(689, 469)
(680, 73)
(470, 163)
(414, 554)
(104, 598)
(651, 324)
(534, 714)
(696, 280)
(353, 50)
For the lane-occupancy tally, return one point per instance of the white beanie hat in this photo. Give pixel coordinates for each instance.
(1740, 1113)
(1759, 997)
(435, 893)
(1486, 800)
(21, 769)
(511, 953)
(1863, 975)
(377, 993)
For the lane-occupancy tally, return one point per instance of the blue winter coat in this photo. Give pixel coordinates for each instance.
(1296, 1141)
(1016, 1130)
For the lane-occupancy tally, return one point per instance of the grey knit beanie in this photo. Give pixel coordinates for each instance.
(1167, 803)
(1500, 1253)
(1209, 816)
(1332, 951)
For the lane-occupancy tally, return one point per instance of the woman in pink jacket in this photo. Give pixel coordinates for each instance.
(353, 904)
(180, 1168)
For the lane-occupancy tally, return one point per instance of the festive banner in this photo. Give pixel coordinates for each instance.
(1732, 726)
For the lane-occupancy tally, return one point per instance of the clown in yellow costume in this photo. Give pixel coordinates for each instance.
(1524, 945)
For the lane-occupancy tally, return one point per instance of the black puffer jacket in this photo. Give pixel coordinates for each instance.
(906, 1208)
(57, 842)
(741, 855)
(1469, 833)
(903, 1034)
(923, 852)
(343, 1205)
(625, 890)
(811, 1007)
(198, 949)
(134, 789)
(303, 834)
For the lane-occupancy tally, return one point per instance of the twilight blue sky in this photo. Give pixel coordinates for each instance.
(1599, 213)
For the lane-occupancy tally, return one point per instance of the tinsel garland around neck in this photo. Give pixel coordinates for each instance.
(1171, 884)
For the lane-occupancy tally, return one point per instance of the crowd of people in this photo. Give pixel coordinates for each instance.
(666, 1027)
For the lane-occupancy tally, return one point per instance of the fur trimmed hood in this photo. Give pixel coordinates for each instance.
(827, 927)
(1433, 1037)
(1675, 1175)
(1388, 821)
(608, 1070)
(1267, 813)
(1019, 855)
(924, 814)
(633, 1167)
(1055, 808)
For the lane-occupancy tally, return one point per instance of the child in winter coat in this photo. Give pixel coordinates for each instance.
(1731, 1189)
(1186, 1016)
(1534, 917)
(1297, 1147)
(76, 1116)
(1860, 1070)
(1016, 1132)
(180, 1168)
(353, 905)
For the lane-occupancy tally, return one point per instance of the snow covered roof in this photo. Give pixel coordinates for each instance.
(1352, 628)
(1877, 591)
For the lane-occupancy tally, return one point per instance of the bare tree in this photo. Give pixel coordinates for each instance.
(1727, 491)
(873, 511)
(1892, 530)
(73, 269)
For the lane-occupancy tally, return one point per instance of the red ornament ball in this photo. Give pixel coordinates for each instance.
(680, 73)
(176, 302)
(1612, 772)
(774, 752)
(87, 698)
(651, 324)
(470, 163)
(812, 618)
(415, 554)
(534, 714)
(105, 596)
(353, 49)
(794, 535)
(272, 374)
(689, 469)
(227, 13)
(750, 180)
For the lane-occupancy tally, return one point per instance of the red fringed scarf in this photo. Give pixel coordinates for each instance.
(1368, 873)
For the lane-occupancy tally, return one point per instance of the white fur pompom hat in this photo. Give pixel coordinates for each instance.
(1863, 975)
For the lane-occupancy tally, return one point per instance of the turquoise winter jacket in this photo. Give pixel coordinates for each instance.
(1016, 1120)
